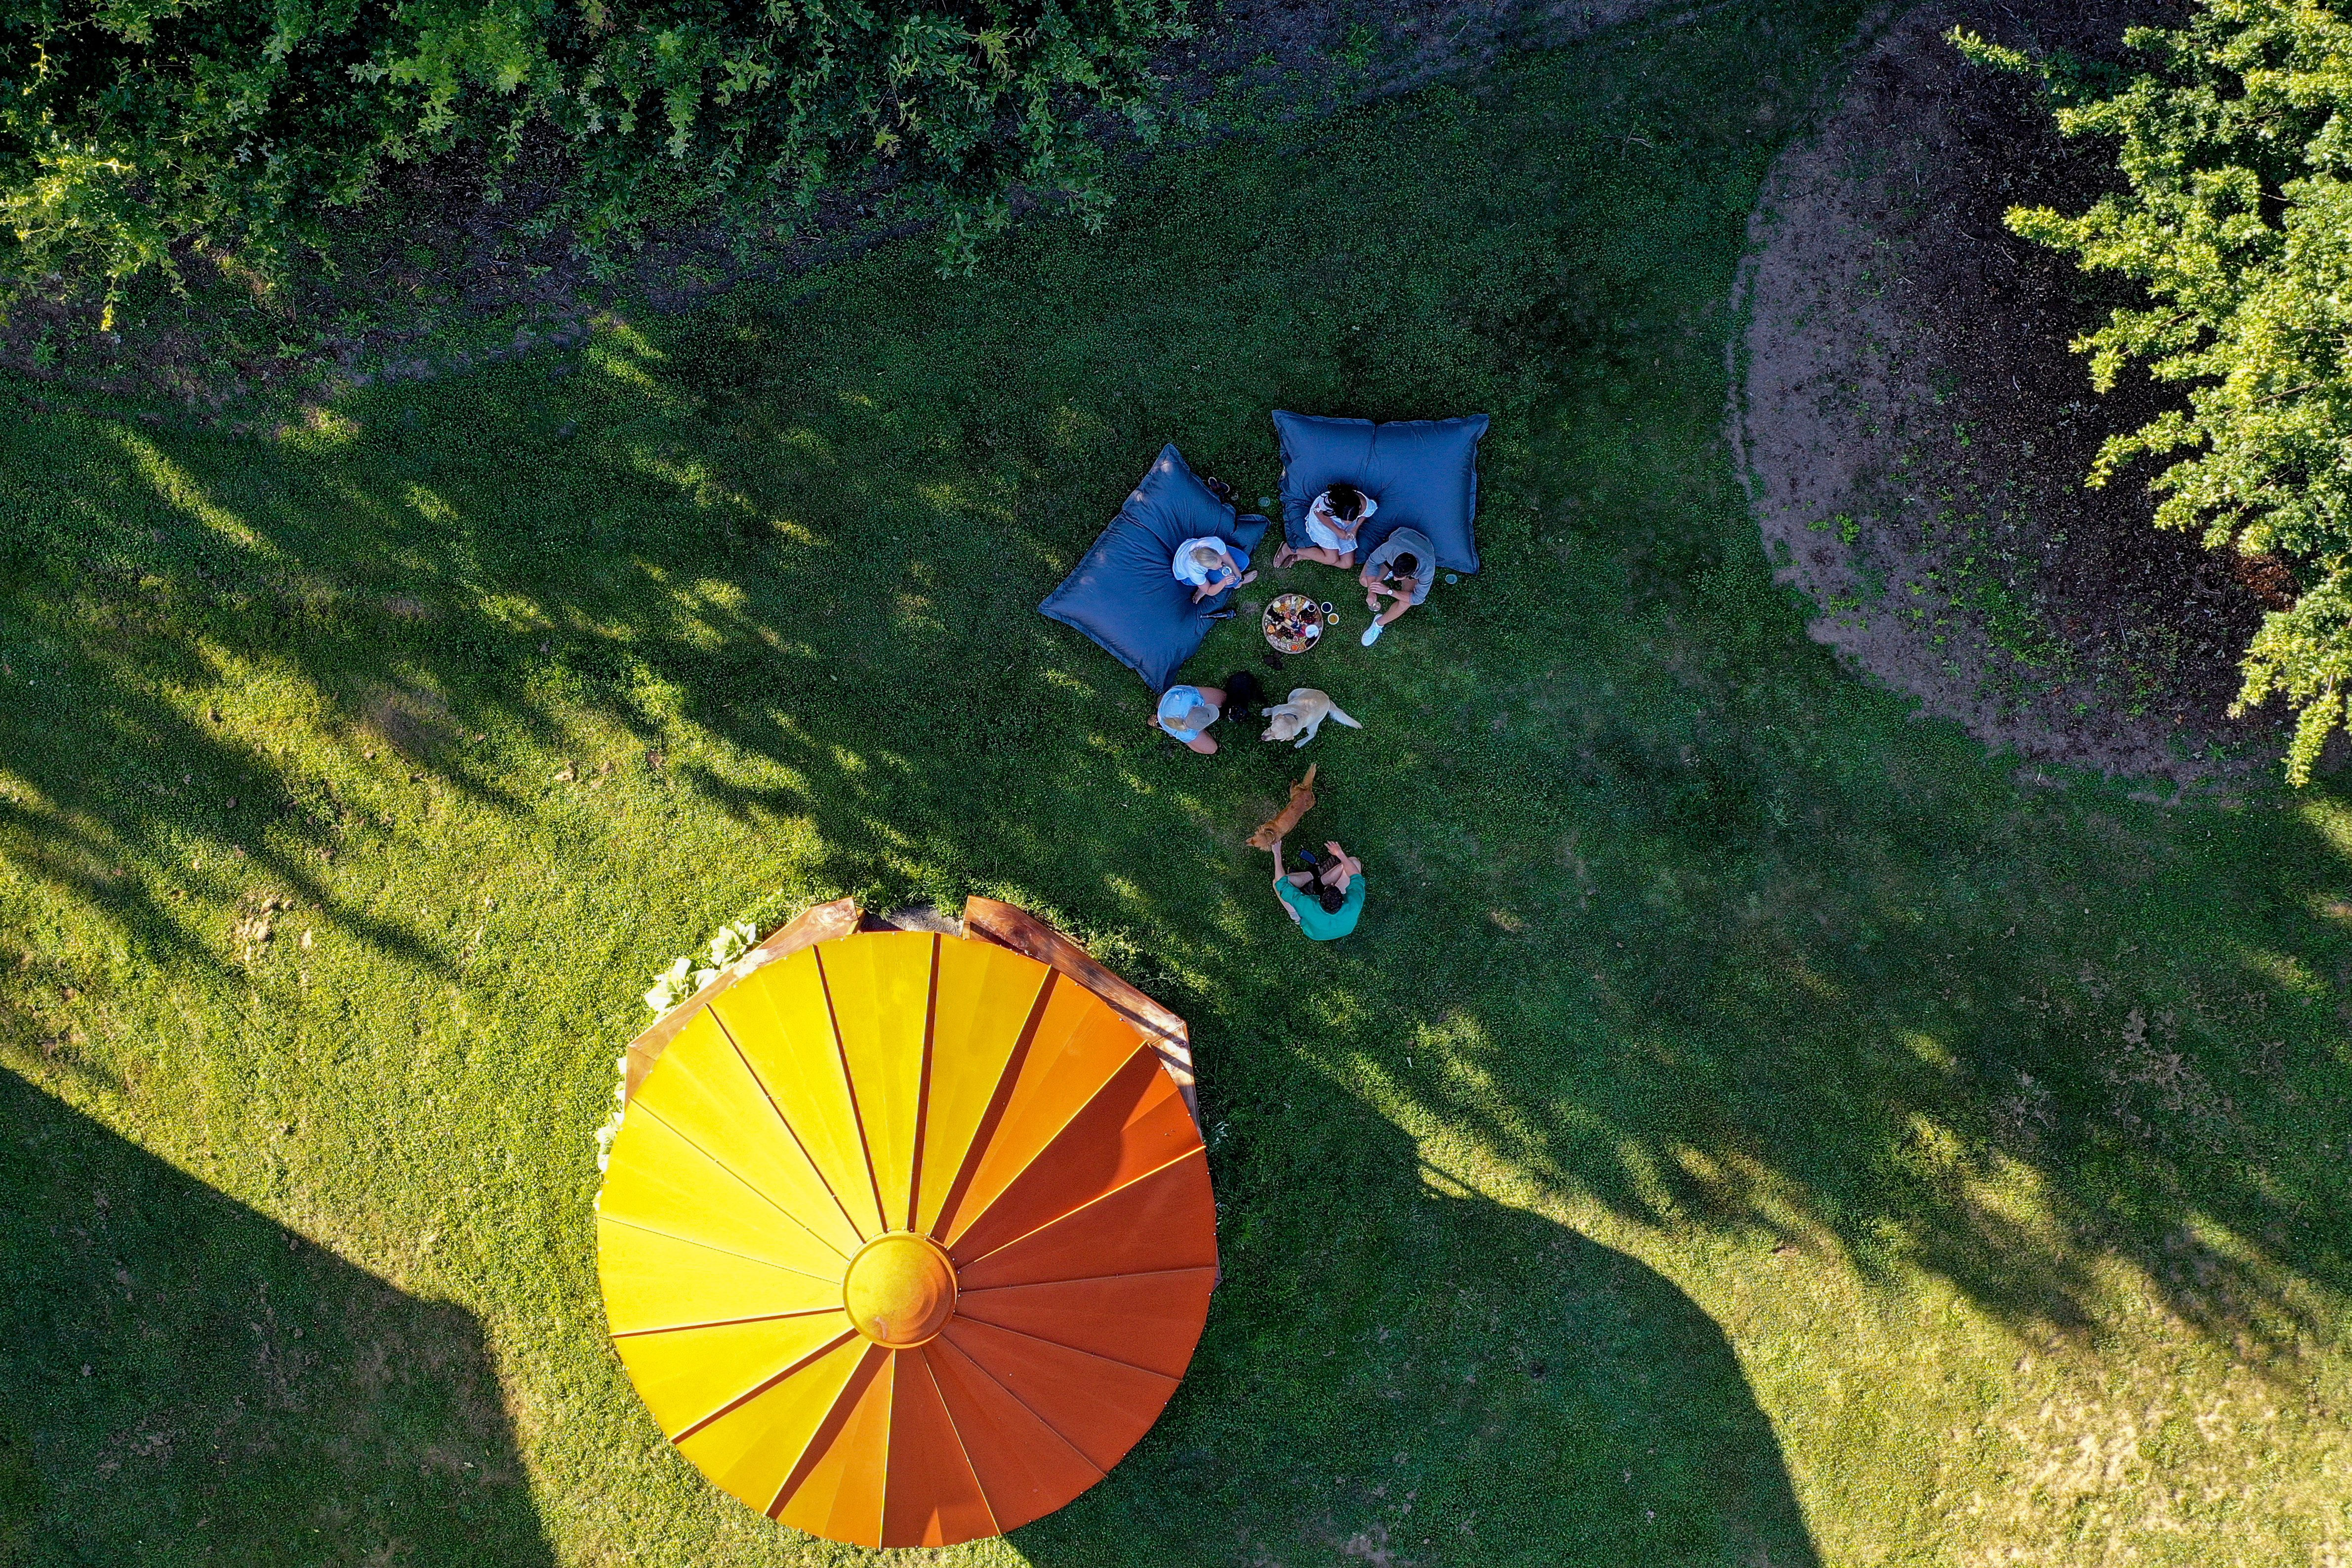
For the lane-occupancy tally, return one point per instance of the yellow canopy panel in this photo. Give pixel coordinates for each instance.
(907, 1239)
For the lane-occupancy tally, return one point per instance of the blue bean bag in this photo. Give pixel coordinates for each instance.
(1424, 471)
(1124, 596)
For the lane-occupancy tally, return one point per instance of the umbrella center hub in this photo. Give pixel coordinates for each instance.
(900, 1290)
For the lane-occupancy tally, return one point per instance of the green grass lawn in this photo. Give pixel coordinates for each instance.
(1748, 1127)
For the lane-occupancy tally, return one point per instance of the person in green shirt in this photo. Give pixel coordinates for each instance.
(1323, 902)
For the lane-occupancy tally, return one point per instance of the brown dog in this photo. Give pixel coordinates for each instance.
(1302, 800)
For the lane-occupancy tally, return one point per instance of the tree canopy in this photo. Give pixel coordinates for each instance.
(132, 129)
(2236, 216)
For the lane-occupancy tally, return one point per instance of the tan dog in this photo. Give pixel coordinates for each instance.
(1302, 800)
(1302, 715)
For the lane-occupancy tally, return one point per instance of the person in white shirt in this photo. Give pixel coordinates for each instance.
(1207, 564)
(1332, 522)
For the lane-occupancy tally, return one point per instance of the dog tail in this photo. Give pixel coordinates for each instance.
(1343, 718)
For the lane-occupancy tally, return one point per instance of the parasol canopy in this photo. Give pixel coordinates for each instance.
(906, 1239)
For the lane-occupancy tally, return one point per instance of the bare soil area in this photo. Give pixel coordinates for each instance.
(1914, 430)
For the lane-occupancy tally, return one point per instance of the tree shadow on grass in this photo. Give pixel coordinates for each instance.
(1885, 1072)
(1672, 915)
(1801, 974)
(186, 1382)
(1416, 1375)
(1776, 938)
(719, 525)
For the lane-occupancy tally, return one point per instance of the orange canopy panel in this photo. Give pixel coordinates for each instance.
(907, 1239)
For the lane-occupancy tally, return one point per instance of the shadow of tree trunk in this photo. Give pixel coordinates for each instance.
(1443, 1379)
(186, 1381)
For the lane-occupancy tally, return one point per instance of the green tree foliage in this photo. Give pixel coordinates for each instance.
(131, 129)
(2236, 216)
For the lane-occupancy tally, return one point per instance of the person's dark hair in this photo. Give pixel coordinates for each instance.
(1406, 565)
(1242, 694)
(1346, 501)
(1332, 898)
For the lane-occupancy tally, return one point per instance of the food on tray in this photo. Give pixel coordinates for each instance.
(1293, 623)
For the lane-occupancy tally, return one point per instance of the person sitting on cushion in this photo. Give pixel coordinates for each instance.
(1400, 571)
(1186, 712)
(1326, 901)
(1332, 522)
(1207, 564)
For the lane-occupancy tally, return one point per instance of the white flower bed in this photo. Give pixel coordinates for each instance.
(681, 980)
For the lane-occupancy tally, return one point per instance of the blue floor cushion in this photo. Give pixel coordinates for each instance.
(1424, 471)
(1124, 595)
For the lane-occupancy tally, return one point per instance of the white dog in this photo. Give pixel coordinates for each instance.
(1302, 715)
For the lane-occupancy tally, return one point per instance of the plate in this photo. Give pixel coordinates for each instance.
(1293, 623)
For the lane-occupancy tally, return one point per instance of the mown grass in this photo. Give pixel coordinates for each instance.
(1748, 1127)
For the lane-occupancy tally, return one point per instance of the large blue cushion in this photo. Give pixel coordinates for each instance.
(1123, 594)
(1422, 471)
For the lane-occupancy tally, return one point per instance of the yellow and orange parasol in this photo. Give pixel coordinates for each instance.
(906, 1238)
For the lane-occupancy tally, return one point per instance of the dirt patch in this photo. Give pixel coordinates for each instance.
(1914, 430)
(413, 721)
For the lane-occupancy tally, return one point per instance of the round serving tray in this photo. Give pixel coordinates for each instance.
(1294, 623)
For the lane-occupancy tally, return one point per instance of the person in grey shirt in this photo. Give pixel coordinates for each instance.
(1400, 570)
